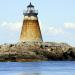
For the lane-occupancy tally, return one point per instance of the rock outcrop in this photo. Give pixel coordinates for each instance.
(36, 51)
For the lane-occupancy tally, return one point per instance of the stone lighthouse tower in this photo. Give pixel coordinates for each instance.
(30, 29)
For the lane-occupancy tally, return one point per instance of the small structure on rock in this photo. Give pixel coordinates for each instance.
(30, 30)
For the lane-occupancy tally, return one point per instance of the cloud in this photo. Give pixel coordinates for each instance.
(69, 25)
(51, 30)
(12, 26)
(55, 30)
(46, 29)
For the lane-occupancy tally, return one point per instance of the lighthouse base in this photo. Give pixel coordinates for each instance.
(31, 31)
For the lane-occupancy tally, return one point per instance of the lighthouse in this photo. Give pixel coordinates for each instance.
(30, 29)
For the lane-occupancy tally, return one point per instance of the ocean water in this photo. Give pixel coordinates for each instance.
(38, 68)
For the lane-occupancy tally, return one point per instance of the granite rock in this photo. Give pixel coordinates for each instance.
(34, 51)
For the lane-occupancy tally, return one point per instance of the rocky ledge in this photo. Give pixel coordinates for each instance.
(36, 51)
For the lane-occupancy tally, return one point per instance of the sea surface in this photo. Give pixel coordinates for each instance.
(38, 68)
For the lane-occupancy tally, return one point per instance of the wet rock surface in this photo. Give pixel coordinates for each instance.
(36, 51)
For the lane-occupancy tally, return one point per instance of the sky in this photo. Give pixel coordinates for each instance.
(56, 18)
